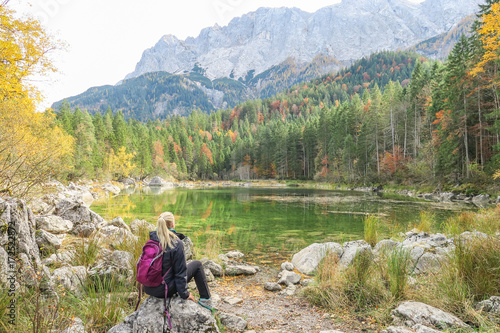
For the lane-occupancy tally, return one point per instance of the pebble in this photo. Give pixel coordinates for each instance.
(232, 300)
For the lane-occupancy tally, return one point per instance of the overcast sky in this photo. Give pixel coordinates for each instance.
(106, 38)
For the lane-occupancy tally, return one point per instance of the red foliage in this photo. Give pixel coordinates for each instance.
(366, 77)
(275, 105)
(260, 117)
(205, 151)
(390, 163)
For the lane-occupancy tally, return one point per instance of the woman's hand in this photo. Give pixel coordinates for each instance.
(191, 297)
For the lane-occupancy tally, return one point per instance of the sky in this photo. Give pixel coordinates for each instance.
(106, 38)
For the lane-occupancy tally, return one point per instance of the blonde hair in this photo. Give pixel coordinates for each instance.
(167, 238)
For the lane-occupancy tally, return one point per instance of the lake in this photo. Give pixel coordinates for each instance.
(270, 224)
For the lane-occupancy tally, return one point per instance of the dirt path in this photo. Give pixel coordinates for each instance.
(265, 310)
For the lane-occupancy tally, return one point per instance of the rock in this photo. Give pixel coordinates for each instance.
(137, 225)
(468, 235)
(118, 222)
(186, 316)
(17, 232)
(38, 206)
(429, 263)
(289, 291)
(234, 270)
(71, 278)
(306, 282)
(308, 259)
(235, 255)
(288, 278)
(223, 257)
(410, 313)
(76, 326)
(54, 224)
(47, 243)
(215, 268)
(385, 246)
(271, 286)
(331, 331)
(188, 248)
(424, 329)
(397, 329)
(288, 266)
(481, 200)
(122, 259)
(233, 323)
(111, 188)
(209, 275)
(447, 196)
(85, 221)
(158, 181)
(231, 300)
(351, 249)
(128, 181)
(4, 265)
(491, 305)
(112, 235)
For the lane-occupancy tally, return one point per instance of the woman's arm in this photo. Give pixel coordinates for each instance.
(180, 270)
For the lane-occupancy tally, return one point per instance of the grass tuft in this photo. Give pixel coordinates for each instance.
(370, 227)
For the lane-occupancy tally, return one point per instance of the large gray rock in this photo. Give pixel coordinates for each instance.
(159, 182)
(113, 189)
(114, 235)
(85, 221)
(272, 286)
(353, 248)
(235, 255)
(4, 265)
(491, 305)
(234, 270)
(429, 263)
(308, 259)
(54, 224)
(288, 278)
(47, 243)
(186, 316)
(233, 323)
(137, 225)
(118, 222)
(188, 248)
(410, 313)
(122, 259)
(71, 278)
(17, 231)
(215, 268)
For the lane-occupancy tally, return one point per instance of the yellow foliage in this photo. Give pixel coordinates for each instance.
(496, 175)
(489, 34)
(121, 162)
(32, 147)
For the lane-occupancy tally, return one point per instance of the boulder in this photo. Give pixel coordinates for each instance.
(114, 235)
(385, 246)
(287, 266)
(122, 259)
(208, 273)
(235, 255)
(71, 278)
(158, 181)
(410, 313)
(111, 188)
(289, 291)
(137, 225)
(429, 263)
(481, 200)
(38, 206)
(47, 243)
(188, 248)
(397, 329)
(85, 221)
(308, 259)
(17, 231)
(54, 224)
(128, 181)
(271, 286)
(234, 270)
(118, 222)
(351, 249)
(215, 268)
(288, 278)
(491, 305)
(4, 265)
(186, 316)
(233, 323)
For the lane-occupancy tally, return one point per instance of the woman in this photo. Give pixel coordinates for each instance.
(180, 274)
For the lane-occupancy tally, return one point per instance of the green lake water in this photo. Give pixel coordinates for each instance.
(270, 224)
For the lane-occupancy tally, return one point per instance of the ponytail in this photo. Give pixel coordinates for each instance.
(167, 238)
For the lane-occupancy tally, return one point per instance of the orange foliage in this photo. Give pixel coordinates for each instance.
(260, 117)
(390, 163)
(205, 151)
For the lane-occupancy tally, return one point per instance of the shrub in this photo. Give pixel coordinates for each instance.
(370, 228)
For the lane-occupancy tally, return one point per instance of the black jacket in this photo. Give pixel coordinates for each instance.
(176, 279)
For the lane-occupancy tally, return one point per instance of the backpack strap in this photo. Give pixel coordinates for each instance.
(140, 296)
(165, 300)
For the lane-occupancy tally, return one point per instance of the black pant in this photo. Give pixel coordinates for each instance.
(195, 269)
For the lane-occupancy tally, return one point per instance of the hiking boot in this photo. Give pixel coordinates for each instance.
(207, 303)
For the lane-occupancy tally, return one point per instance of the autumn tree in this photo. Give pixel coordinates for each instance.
(32, 146)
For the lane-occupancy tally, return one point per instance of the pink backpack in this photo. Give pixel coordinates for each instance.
(149, 271)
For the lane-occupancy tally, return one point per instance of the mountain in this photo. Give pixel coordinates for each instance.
(267, 51)
(267, 37)
(440, 46)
